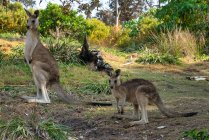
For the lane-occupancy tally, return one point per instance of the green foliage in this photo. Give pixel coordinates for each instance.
(10, 36)
(64, 50)
(133, 26)
(13, 19)
(2, 56)
(98, 31)
(184, 13)
(61, 21)
(17, 53)
(153, 58)
(14, 129)
(54, 131)
(119, 38)
(147, 24)
(19, 129)
(197, 135)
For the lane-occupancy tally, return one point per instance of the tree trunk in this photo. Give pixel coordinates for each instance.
(4, 3)
(117, 15)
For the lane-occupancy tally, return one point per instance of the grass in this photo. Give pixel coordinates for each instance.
(10, 36)
(197, 134)
(54, 131)
(20, 129)
(14, 73)
(14, 129)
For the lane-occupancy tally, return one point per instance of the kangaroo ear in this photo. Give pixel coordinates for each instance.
(109, 73)
(36, 13)
(117, 72)
(28, 13)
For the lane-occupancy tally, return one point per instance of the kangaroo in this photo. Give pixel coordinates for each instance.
(44, 67)
(42, 64)
(139, 92)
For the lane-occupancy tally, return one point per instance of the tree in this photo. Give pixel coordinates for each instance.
(190, 14)
(59, 22)
(106, 16)
(89, 7)
(4, 2)
(26, 3)
(126, 9)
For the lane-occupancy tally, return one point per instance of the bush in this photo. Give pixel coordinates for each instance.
(57, 21)
(187, 14)
(119, 37)
(64, 50)
(177, 43)
(13, 19)
(98, 31)
(149, 57)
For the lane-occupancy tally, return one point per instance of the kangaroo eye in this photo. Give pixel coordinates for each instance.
(109, 81)
(115, 81)
(33, 21)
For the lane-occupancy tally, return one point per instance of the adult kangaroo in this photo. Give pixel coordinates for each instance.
(42, 64)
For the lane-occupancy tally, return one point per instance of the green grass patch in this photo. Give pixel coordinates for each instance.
(19, 129)
(14, 129)
(197, 134)
(154, 58)
(10, 36)
(14, 73)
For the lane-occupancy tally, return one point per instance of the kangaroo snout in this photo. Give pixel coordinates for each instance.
(28, 27)
(111, 87)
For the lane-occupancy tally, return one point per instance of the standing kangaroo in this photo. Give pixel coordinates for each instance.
(43, 65)
(139, 92)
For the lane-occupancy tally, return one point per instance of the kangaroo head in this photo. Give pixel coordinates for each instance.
(32, 22)
(114, 78)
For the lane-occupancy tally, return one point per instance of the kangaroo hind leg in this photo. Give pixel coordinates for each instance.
(40, 82)
(143, 102)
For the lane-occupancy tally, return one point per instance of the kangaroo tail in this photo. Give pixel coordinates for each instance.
(168, 112)
(69, 98)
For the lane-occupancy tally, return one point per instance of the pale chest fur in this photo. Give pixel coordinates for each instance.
(31, 42)
(118, 93)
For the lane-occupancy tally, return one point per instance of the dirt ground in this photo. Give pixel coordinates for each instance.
(98, 123)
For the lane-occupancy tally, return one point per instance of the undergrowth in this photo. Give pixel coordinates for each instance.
(158, 58)
(197, 134)
(17, 128)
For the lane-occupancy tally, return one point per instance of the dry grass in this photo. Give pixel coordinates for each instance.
(177, 43)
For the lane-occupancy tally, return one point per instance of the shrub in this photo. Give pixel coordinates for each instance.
(147, 24)
(13, 19)
(191, 14)
(177, 43)
(119, 37)
(61, 22)
(98, 31)
(150, 57)
(64, 50)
